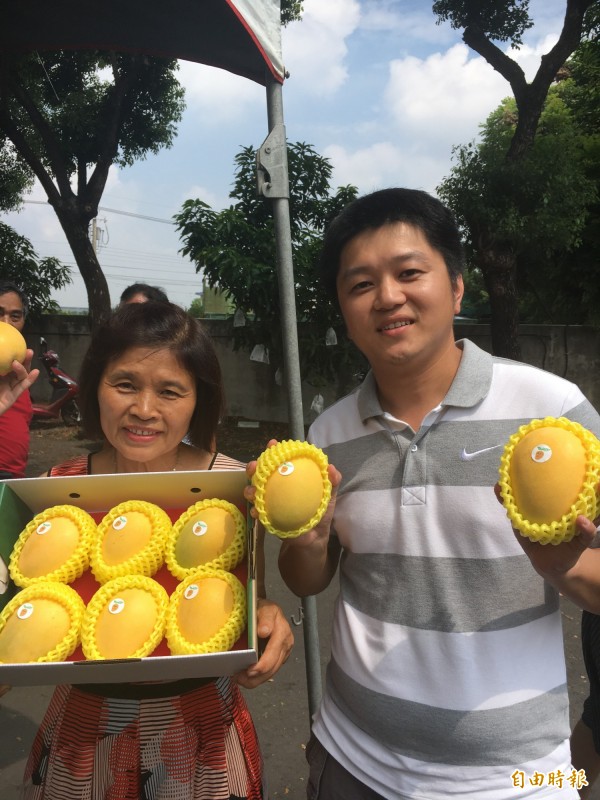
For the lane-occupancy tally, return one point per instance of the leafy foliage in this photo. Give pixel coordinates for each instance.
(236, 249)
(38, 277)
(71, 115)
(537, 208)
(501, 21)
(291, 10)
(15, 178)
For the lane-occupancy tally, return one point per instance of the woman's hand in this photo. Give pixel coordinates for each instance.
(16, 382)
(272, 627)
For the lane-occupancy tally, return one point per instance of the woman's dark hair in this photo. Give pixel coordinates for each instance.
(156, 325)
(384, 207)
(150, 292)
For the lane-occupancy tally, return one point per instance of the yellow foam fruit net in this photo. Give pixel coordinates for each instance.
(207, 613)
(130, 541)
(292, 487)
(54, 546)
(41, 623)
(125, 619)
(209, 533)
(549, 475)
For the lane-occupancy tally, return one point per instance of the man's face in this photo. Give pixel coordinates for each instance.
(11, 310)
(396, 297)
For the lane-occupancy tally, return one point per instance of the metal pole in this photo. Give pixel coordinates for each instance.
(287, 297)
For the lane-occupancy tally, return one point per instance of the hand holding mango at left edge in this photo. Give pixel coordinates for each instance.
(15, 382)
(572, 567)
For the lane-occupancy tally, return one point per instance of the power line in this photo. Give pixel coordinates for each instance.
(112, 211)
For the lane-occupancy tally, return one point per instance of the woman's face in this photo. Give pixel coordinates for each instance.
(146, 401)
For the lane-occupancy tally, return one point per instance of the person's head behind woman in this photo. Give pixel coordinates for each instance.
(156, 325)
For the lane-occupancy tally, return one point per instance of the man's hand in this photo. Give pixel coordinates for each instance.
(16, 382)
(573, 568)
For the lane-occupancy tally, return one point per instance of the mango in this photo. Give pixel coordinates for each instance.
(54, 546)
(130, 541)
(549, 474)
(125, 619)
(292, 488)
(209, 533)
(12, 347)
(207, 613)
(41, 623)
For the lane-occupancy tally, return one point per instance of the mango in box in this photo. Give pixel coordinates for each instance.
(12, 347)
(130, 541)
(549, 475)
(54, 546)
(124, 619)
(211, 532)
(207, 613)
(41, 623)
(292, 487)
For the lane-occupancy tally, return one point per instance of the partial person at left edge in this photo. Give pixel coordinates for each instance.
(15, 421)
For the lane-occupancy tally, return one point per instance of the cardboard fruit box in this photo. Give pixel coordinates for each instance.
(21, 500)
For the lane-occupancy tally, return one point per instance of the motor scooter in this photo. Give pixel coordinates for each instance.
(63, 403)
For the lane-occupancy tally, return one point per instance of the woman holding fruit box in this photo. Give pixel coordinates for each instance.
(149, 378)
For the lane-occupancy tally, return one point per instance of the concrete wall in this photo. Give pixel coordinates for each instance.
(570, 351)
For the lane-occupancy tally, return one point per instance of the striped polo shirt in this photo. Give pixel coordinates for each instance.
(447, 669)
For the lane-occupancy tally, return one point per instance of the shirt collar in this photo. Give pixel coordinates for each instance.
(470, 385)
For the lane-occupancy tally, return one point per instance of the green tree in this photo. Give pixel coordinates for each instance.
(72, 115)
(38, 277)
(536, 206)
(484, 23)
(236, 250)
(15, 178)
(196, 308)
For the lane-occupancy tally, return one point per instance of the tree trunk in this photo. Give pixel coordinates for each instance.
(498, 267)
(76, 231)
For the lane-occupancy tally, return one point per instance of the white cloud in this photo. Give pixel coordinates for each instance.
(220, 96)
(444, 97)
(315, 49)
(386, 164)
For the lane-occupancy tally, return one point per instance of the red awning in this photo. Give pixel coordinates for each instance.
(240, 36)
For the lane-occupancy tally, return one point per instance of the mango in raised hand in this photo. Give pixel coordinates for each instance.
(12, 347)
(549, 475)
(292, 487)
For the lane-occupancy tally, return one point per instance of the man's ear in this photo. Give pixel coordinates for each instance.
(458, 289)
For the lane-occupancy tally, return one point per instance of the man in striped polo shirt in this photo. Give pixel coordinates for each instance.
(447, 675)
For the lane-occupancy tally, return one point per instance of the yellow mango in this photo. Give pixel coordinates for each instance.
(293, 493)
(292, 487)
(12, 347)
(128, 535)
(34, 632)
(205, 536)
(52, 543)
(549, 475)
(125, 618)
(204, 609)
(41, 623)
(547, 472)
(207, 613)
(125, 623)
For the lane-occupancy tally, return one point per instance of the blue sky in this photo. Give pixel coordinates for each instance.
(375, 85)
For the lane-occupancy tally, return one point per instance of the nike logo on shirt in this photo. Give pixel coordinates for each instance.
(464, 456)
